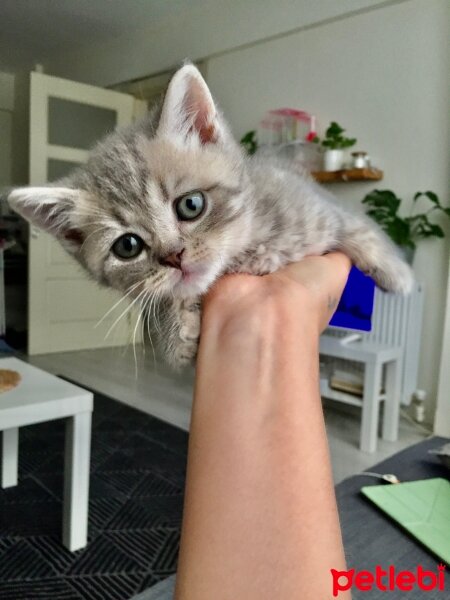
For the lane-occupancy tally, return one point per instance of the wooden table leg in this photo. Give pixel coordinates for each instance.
(10, 457)
(76, 480)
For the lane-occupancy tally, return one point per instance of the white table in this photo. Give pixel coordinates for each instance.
(41, 397)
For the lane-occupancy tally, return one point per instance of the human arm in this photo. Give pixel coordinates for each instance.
(260, 518)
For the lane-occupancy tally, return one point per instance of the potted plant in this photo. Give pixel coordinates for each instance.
(405, 231)
(334, 144)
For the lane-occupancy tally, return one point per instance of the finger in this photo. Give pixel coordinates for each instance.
(340, 264)
(327, 271)
(340, 261)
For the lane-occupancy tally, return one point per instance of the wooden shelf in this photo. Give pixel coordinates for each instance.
(348, 175)
(327, 392)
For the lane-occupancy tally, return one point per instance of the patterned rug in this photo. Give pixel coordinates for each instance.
(136, 497)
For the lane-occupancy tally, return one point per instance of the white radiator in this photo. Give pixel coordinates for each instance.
(396, 321)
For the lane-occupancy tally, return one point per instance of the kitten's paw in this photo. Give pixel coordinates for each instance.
(183, 354)
(405, 279)
(189, 330)
(183, 338)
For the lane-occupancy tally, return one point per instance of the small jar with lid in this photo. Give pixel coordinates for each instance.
(360, 160)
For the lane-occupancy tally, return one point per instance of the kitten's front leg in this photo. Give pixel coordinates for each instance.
(181, 331)
(374, 254)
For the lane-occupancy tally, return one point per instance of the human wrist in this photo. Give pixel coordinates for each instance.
(269, 313)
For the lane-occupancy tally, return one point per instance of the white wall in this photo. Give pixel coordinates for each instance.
(204, 28)
(442, 417)
(384, 76)
(14, 118)
(5, 147)
(6, 115)
(20, 128)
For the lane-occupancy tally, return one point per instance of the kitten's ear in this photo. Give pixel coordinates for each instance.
(50, 209)
(189, 111)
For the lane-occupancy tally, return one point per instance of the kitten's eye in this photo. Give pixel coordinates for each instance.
(190, 206)
(128, 246)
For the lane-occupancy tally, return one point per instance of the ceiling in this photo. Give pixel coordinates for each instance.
(30, 30)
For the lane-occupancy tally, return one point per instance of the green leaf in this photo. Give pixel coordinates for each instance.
(383, 209)
(384, 199)
(371, 197)
(431, 230)
(367, 198)
(249, 142)
(399, 231)
(334, 138)
(414, 218)
(334, 129)
(379, 216)
(433, 197)
(248, 137)
(380, 212)
(410, 244)
(438, 231)
(422, 228)
(347, 142)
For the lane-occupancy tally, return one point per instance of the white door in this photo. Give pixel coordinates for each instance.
(64, 306)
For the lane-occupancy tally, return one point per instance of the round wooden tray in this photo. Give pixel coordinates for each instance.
(8, 379)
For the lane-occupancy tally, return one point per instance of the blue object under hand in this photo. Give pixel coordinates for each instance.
(355, 309)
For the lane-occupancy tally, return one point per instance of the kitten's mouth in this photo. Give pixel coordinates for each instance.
(191, 274)
(190, 278)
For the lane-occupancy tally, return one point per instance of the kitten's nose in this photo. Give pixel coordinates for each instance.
(172, 260)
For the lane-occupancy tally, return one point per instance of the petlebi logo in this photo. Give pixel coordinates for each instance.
(388, 579)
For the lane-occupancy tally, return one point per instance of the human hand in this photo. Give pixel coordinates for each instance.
(310, 288)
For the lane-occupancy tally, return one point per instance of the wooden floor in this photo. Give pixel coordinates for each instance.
(151, 386)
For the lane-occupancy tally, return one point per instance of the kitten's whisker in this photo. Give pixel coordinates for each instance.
(150, 303)
(90, 235)
(151, 342)
(143, 304)
(121, 299)
(152, 308)
(156, 313)
(144, 317)
(145, 301)
(128, 308)
(134, 333)
(145, 321)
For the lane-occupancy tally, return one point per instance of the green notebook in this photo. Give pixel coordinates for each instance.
(421, 507)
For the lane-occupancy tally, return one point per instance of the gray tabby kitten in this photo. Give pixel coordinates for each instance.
(166, 206)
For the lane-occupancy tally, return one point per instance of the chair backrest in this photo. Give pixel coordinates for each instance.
(397, 321)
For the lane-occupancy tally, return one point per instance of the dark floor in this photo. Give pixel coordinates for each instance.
(136, 495)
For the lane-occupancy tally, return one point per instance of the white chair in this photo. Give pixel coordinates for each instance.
(388, 358)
